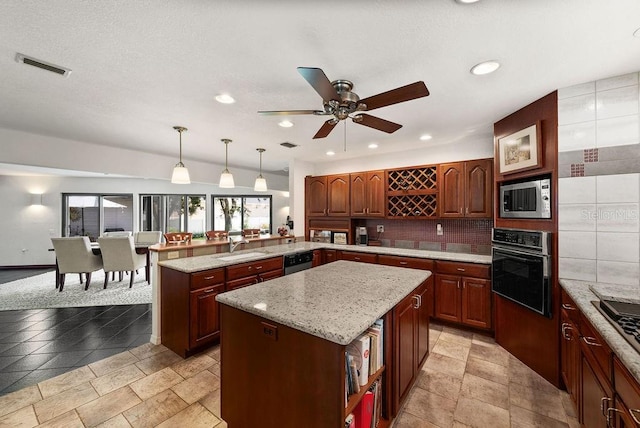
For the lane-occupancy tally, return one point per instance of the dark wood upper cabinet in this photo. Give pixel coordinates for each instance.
(466, 189)
(367, 194)
(327, 195)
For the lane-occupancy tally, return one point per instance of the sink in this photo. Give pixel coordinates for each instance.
(240, 257)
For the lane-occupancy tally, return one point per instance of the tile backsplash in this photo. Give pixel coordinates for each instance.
(599, 184)
(463, 235)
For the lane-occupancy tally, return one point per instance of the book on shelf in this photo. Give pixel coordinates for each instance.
(376, 389)
(364, 411)
(359, 349)
(354, 381)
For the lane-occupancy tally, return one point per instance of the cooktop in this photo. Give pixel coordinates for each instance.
(625, 317)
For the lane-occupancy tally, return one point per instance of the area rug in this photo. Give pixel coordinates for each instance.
(39, 292)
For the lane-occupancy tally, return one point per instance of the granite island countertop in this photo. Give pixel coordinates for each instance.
(336, 301)
(200, 263)
(583, 293)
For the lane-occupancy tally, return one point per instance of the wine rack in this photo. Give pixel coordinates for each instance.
(412, 192)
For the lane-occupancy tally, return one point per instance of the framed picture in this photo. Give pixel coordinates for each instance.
(521, 150)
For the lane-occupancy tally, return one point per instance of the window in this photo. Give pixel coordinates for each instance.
(167, 213)
(91, 215)
(235, 213)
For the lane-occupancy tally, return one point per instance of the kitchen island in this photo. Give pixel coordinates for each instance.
(283, 343)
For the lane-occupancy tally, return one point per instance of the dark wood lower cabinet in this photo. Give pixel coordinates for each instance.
(205, 319)
(596, 397)
(447, 298)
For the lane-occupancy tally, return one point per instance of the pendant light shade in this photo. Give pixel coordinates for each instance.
(261, 183)
(180, 172)
(226, 179)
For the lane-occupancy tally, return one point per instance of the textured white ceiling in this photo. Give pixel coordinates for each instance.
(140, 67)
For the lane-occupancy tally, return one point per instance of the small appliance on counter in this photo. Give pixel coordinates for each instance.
(362, 238)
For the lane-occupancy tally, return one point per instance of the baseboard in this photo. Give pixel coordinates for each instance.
(27, 267)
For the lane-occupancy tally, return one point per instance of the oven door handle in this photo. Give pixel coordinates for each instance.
(511, 250)
(520, 259)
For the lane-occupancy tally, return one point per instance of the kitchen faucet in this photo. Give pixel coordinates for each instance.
(233, 244)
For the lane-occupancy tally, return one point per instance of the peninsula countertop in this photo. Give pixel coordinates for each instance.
(200, 263)
(336, 302)
(583, 293)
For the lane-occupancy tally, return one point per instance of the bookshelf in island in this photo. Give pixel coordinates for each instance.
(285, 345)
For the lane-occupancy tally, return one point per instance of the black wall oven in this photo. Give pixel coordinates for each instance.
(521, 268)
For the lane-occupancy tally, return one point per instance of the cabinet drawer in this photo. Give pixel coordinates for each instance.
(207, 278)
(357, 257)
(408, 262)
(596, 346)
(242, 282)
(253, 268)
(465, 269)
(626, 386)
(271, 275)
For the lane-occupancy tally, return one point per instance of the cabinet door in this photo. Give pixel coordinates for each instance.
(375, 197)
(242, 282)
(316, 196)
(447, 298)
(423, 322)
(593, 394)
(405, 346)
(451, 190)
(359, 194)
(570, 357)
(204, 315)
(317, 258)
(329, 256)
(479, 188)
(476, 302)
(338, 195)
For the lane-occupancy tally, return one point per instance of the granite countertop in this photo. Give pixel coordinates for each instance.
(583, 293)
(336, 302)
(200, 263)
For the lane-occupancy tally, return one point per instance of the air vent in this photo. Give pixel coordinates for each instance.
(288, 145)
(43, 65)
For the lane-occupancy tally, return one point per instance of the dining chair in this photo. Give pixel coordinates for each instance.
(147, 237)
(119, 255)
(251, 233)
(74, 255)
(176, 237)
(217, 234)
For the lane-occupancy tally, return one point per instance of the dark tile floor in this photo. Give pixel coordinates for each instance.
(37, 344)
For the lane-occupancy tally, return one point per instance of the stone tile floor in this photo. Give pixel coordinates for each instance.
(467, 381)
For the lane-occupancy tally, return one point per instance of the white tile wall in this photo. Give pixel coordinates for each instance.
(599, 216)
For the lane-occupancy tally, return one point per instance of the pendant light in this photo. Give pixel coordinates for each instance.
(180, 172)
(261, 183)
(226, 179)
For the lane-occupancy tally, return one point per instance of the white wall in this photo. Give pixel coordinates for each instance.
(599, 185)
(27, 229)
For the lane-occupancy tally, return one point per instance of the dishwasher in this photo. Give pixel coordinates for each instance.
(297, 262)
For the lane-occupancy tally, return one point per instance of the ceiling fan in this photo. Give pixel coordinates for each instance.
(338, 101)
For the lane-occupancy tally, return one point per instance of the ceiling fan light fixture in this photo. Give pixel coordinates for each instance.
(285, 123)
(261, 183)
(467, 1)
(226, 178)
(225, 99)
(485, 67)
(180, 172)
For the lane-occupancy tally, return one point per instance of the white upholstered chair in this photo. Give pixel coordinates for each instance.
(74, 255)
(147, 237)
(118, 255)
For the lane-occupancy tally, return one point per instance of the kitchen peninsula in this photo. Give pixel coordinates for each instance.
(285, 340)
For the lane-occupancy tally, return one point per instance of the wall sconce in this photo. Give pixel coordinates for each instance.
(36, 199)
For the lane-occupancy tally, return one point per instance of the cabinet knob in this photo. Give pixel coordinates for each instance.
(404, 263)
(460, 269)
(208, 278)
(258, 267)
(591, 341)
(568, 307)
(467, 210)
(609, 415)
(604, 404)
(211, 290)
(416, 305)
(633, 413)
(458, 284)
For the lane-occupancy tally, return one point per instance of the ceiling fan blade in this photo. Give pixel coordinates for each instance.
(290, 112)
(376, 123)
(326, 128)
(320, 82)
(395, 96)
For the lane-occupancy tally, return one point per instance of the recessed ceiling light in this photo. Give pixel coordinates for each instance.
(373, 146)
(425, 137)
(225, 99)
(286, 123)
(466, 1)
(485, 67)
(331, 153)
(637, 33)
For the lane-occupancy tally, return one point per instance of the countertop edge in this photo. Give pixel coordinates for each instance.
(582, 294)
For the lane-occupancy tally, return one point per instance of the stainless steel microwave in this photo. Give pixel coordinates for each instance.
(529, 199)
